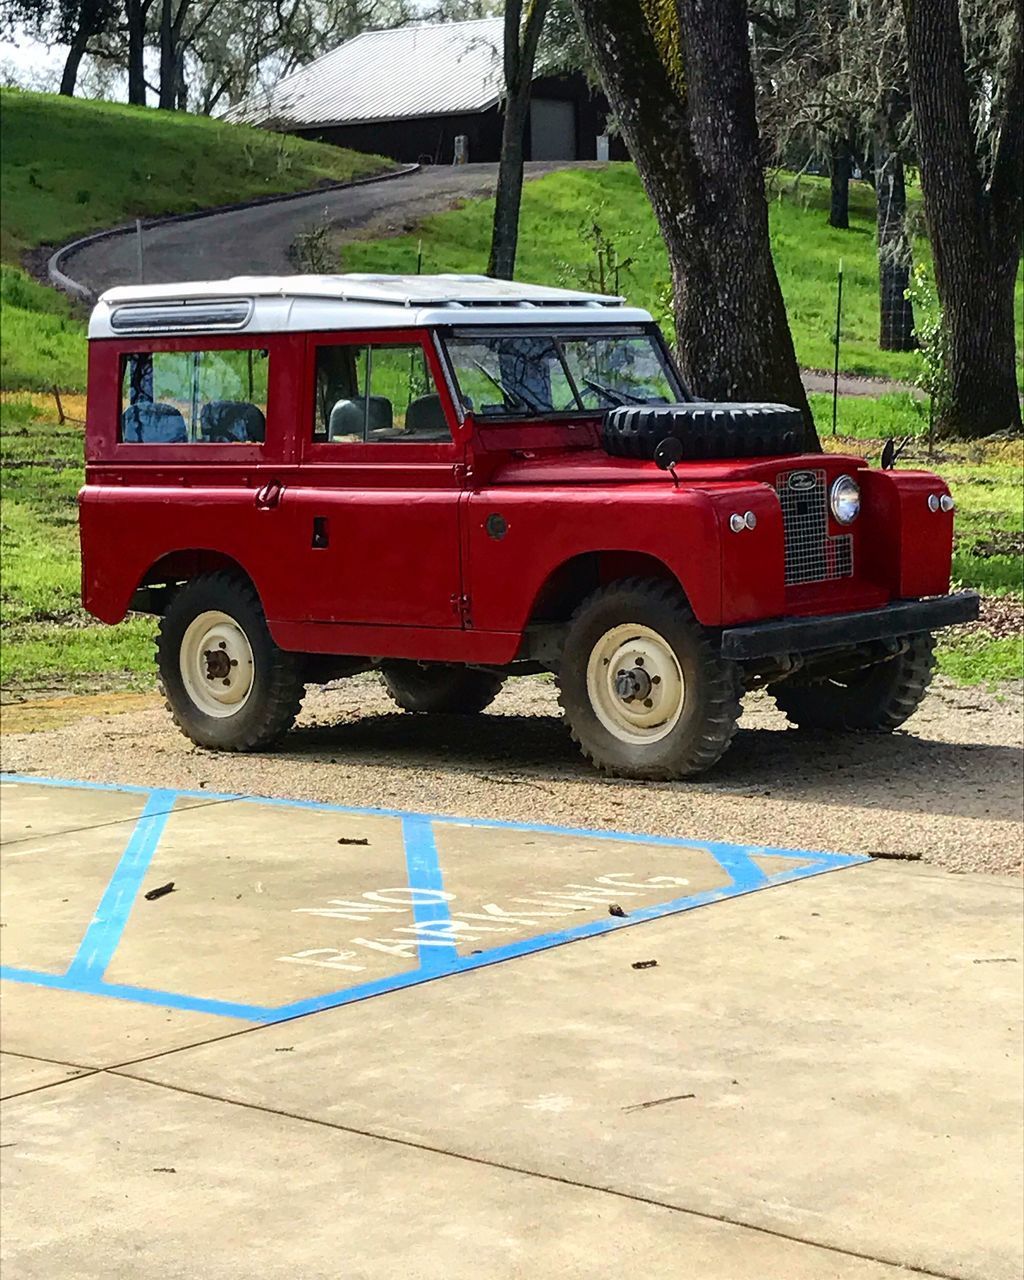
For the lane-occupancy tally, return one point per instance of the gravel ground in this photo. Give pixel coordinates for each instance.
(947, 790)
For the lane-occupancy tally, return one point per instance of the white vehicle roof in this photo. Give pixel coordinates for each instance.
(289, 304)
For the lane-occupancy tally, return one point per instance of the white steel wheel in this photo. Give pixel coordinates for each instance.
(216, 664)
(635, 684)
(643, 690)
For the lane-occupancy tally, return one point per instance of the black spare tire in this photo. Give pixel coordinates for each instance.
(705, 429)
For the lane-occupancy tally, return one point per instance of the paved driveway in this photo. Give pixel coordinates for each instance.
(256, 240)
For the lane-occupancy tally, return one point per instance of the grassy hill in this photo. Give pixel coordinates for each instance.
(71, 167)
(556, 247)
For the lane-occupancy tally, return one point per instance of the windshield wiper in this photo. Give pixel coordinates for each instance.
(512, 399)
(613, 394)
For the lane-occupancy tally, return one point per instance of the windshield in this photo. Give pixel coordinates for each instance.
(529, 374)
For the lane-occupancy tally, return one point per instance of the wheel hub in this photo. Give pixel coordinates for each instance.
(216, 664)
(635, 684)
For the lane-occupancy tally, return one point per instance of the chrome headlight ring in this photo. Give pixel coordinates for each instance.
(844, 499)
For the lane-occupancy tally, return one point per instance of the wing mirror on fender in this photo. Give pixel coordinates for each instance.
(667, 453)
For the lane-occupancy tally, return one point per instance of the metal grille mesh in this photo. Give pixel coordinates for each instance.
(811, 555)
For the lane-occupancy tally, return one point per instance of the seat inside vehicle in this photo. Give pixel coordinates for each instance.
(232, 422)
(347, 417)
(425, 420)
(153, 423)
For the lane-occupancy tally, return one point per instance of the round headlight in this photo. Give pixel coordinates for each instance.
(845, 499)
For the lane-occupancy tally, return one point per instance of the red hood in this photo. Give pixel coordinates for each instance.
(592, 467)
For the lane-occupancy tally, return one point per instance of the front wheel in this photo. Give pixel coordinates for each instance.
(642, 689)
(227, 685)
(874, 699)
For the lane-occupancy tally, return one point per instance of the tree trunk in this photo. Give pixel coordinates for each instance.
(520, 54)
(895, 255)
(76, 52)
(509, 193)
(974, 225)
(168, 56)
(180, 84)
(697, 153)
(135, 16)
(839, 185)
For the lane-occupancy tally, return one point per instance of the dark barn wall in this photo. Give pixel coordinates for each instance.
(427, 139)
(431, 139)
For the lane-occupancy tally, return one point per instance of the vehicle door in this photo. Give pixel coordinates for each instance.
(372, 511)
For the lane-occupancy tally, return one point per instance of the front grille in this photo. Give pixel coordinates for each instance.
(811, 555)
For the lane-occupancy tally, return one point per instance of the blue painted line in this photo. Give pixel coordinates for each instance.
(632, 837)
(137, 995)
(424, 874)
(97, 947)
(437, 952)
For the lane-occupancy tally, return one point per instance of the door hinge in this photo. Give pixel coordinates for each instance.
(461, 608)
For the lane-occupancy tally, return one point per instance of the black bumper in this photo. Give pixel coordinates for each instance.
(846, 630)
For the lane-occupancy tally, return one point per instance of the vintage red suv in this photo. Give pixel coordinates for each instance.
(454, 480)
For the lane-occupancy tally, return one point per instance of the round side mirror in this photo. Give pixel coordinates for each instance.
(668, 452)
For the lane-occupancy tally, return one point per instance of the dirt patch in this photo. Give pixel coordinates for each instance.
(947, 790)
(38, 715)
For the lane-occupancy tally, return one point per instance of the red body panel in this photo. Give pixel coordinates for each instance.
(386, 549)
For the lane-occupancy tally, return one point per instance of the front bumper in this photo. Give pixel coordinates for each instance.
(847, 630)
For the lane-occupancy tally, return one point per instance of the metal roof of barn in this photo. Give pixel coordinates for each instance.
(425, 69)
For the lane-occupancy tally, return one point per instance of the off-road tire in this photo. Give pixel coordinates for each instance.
(705, 430)
(438, 689)
(277, 688)
(875, 699)
(711, 684)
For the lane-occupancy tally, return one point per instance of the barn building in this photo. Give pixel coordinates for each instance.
(409, 92)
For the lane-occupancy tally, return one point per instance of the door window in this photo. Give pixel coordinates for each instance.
(194, 397)
(382, 393)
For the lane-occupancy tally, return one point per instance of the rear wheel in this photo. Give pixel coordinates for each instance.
(437, 688)
(877, 698)
(642, 689)
(227, 685)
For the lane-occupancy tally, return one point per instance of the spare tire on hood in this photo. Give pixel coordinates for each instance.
(705, 429)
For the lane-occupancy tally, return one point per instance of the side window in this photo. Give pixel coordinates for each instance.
(378, 394)
(195, 397)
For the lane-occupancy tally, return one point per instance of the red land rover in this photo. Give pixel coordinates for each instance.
(454, 480)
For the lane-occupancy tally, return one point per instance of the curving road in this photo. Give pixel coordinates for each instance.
(256, 240)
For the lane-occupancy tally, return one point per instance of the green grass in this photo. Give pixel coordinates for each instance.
(979, 659)
(71, 167)
(897, 414)
(47, 639)
(558, 211)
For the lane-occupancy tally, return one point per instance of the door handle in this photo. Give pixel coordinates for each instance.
(268, 497)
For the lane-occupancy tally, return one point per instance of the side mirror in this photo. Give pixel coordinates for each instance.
(668, 452)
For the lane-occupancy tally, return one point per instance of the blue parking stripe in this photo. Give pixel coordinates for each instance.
(97, 947)
(438, 956)
(437, 952)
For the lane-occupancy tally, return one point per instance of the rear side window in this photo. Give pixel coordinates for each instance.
(194, 397)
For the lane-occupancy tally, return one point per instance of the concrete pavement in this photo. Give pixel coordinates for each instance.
(822, 1079)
